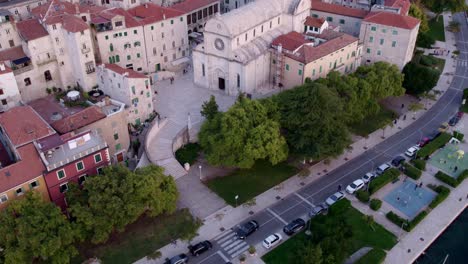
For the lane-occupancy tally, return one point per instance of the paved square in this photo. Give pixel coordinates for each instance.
(408, 199)
(450, 160)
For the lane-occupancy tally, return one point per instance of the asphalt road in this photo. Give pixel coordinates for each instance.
(272, 219)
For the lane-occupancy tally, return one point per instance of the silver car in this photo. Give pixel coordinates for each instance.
(335, 198)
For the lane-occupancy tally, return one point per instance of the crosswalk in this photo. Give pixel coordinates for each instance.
(462, 62)
(231, 245)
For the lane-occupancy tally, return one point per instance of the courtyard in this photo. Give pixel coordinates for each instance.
(451, 159)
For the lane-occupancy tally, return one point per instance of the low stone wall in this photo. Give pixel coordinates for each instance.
(154, 128)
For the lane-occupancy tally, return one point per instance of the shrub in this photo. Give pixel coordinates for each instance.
(442, 193)
(382, 180)
(375, 256)
(419, 163)
(465, 93)
(425, 40)
(462, 176)
(339, 207)
(363, 196)
(375, 204)
(446, 178)
(458, 135)
(396, 219)
(434, 145)
(428, 60)
(412, 172)
(413, 223)
(188, 153)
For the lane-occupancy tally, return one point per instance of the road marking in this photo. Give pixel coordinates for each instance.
(242, 250)
(277, 216)
(304, 199)
(227, 242)
(237, 247)
(232, 244)
(222, 256)
(225, 238)
(205, 259)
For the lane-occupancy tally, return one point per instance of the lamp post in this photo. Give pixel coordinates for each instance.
(236, 197)
(401, 230)
(200, 167)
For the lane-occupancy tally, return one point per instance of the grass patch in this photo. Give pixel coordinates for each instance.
(436, 28)
(248, 183)
(375, 256)
(374, 122)
(141, 238)
(188, 153)
(363, 234)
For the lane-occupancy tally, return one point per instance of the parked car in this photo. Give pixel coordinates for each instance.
(199, 248)
(246, 229)
(382, 168)
(443, 127)
(453, 121)
(334, 198)
(295, 226)
(460, 115)
(179, 259)
(318, 209)
(434, 134)
(398, 160)
(368, 177)
(423, 142)
(272, 240)
(412, 151)
(355, 186)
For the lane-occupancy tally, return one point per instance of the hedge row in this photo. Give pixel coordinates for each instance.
(408, 225)
(450, 180)
(434, 145)
(339, 207)
(442, 193)
(412, 172)
(363, 196)
(375, 204)
(419, 163)
(458, 135)
(382, 180)
(374, 256)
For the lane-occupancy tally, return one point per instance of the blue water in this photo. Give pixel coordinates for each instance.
(408, 200)
(452, 241)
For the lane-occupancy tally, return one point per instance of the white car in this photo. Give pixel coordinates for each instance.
(335, 198)
(412, 151)
(368, 177)
(382, 168)
(272, 240)
(355, 186)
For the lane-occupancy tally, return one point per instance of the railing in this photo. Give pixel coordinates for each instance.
(89, 71)
(24, 69)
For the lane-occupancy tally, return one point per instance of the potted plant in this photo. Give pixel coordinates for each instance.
(252, 250)
(242, 258)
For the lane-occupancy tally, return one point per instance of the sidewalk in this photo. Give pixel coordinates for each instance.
(228, 216)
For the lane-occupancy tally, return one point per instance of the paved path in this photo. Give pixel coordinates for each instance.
(357, 255)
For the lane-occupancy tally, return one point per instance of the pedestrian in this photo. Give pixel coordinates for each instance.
(395, 121)
(449, 52)
(455, 169)
(339, 187)
(398, 198)
(404, 117)
(402, 105)
(172, 80)
(415, 186)
(420, 185)
(155, 92)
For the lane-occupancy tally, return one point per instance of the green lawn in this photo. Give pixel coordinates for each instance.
(436, 28)
(362, 235)
(248, 183)
(375, 256)
(373, 123)
(141, 238)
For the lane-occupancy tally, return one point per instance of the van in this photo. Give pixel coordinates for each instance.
(382, 168)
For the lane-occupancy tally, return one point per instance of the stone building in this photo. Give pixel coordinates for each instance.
(197, 12)
(234, 56)
(9, 92)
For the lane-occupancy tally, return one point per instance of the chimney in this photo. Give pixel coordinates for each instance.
(77, 9)
(146, 5)
(107, 101)
(2, 66)
(164, 16)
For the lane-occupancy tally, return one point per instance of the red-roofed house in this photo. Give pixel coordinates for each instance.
(296, 56)
(389, 37)
(129, 87)
(198, 12)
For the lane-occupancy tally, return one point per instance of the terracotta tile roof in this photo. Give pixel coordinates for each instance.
(318, 5)
(130, 21)
(31, 29)
(314, 22)
(392, 20)
(7, 70)
(404, 5)
(76, 121)
(73, 24)
(130, 73)
(12, 54)
(64, 7)
(31, 127)
(188, 6)
(290, 41)
(312, 53)
(150, 13)
(29, 167)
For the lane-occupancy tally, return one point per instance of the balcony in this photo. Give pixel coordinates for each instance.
(85, 50)
(45, 59)
(17, 70)
(89, 71)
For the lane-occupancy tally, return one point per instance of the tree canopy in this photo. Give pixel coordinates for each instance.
(109, 202)
(209, 108)
(419, 78)
(416, 11)
(33, 230)
(242, 135)
(439, 6)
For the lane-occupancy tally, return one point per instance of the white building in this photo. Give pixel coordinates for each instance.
(8, 35)
(198, 12)
(130, 87)
(9, 93)
(234, 56)
(21, 9)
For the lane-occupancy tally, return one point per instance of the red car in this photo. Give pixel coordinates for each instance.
(423, 142)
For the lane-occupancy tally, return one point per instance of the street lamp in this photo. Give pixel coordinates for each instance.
(401, 230)
(236, 197)
(199, 167)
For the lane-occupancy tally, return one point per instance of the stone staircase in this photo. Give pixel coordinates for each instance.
(159, 149)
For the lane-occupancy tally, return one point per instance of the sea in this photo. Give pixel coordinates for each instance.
(451, 244)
